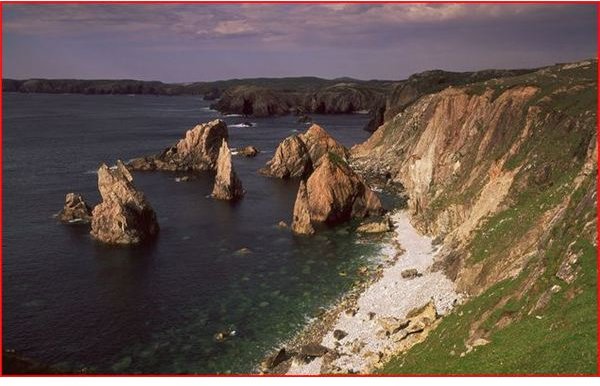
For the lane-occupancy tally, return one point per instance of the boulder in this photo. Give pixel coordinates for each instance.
(124, 216)
(275, 360)
(313, 350)
(301, 223)
(291, 160)
(382, 226)
(425, 315)
(391, 325)
(227, 184)
(339, 334)
(197, 151)
(248, 151)
(334, 193)
(410, 273)
(75, 210)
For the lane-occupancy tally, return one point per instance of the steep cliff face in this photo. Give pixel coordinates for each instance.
(342, 98)
(254, 100)
(405, 92)
(338, 98)
(504, 172)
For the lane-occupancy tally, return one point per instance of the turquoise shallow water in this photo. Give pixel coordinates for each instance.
(72, 303)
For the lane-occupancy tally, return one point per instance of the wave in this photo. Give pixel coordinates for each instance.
(232, 115)
(252, 124)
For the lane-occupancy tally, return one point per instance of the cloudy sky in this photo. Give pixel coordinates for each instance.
(192, 42)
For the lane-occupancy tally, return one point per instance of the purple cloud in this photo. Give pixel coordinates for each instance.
(319, 39)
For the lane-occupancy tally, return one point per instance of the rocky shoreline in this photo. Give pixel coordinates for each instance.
(395, 307)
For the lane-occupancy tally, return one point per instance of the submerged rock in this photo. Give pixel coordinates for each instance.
(291, 160)
(304, 119)
(227, 184)
(333, 194)
(197, 151)
(75, 210)
(124, 216)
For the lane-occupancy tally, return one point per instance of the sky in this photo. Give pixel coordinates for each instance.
(204, 42)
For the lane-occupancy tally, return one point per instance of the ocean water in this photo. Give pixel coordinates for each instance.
(74, 304)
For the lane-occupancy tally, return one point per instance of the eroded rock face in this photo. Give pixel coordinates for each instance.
(197, 151)
(298, 155)
(291, 160)
(334, 194)
(301, 223)
(227, 185)
(318, 143)
(124, 216)
(75, 210)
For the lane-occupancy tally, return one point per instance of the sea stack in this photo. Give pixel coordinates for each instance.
(319, 143)
(75, 210)
(291, 160)
(197, 151)
(298, 155)
(333, 194)
(124, 216)
(227, 185)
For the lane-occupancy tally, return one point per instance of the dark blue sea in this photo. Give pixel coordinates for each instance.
(74, 304)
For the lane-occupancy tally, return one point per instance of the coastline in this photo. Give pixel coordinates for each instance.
(382, 316)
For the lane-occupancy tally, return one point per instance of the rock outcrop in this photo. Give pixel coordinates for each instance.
(471, 158)
(377, 226)
(197, 151)
(301, 223)
(248, 151)
(318, 143)
(253, 100)
(334, 193)
(124, 216)
(406, 92)
(75, 210)
(298, 155)
(227, 184)
(327, 98)
(291, 160)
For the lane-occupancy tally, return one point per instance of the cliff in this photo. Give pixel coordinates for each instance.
(338, 98)
(503, 173)
(405, 92)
